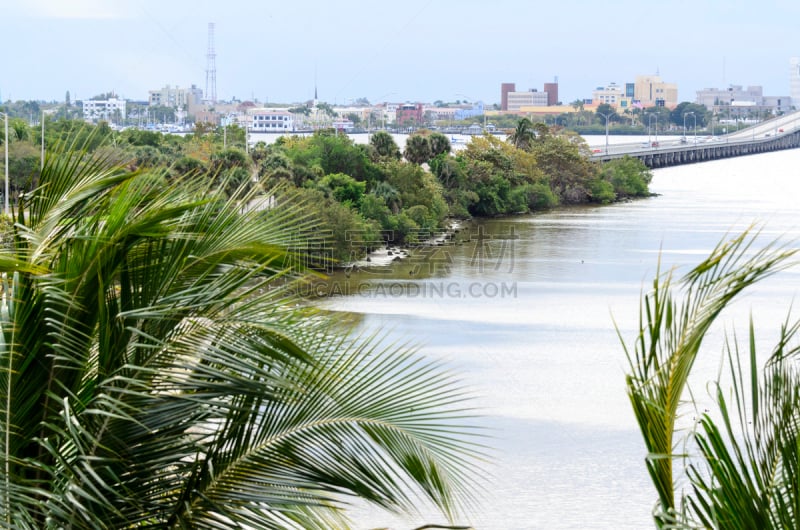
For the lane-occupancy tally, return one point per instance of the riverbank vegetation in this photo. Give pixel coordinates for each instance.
(364, 195)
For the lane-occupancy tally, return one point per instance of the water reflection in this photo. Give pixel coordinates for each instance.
(545, 359)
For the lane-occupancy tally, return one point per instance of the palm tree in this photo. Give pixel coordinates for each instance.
(389, 194)
(440, 144)
(154, 374)
(744, 467)
(385, 145)
(523, 135)
(418, 149)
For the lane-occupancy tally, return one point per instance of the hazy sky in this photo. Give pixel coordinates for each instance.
(414, 50)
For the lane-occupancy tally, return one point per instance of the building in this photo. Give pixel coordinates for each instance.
(409, 115)
(110, 110)
(610, 95)
(505, 89)
(739, 102)
(175, 97)
(539, 111)
(270, 120)
(630, 90)
(441, 114)
(465, 113)
(343, 124)
(778, 104)
(651, 91)
(552, 93)
(513, 101)
(531, 98)
(794, 81)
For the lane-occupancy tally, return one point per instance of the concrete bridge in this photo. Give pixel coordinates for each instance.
(779, 133)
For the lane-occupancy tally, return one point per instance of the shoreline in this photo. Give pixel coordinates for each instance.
(389, 253)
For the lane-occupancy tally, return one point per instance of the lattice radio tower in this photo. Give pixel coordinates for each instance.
(211, 67)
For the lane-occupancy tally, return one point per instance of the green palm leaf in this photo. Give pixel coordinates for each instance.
(156, 372)
(670, 339)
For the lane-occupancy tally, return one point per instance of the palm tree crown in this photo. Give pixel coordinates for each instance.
(153, 374)
(741, 460)
(523, 135)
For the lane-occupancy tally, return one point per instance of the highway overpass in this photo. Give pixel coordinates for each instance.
(778, 133)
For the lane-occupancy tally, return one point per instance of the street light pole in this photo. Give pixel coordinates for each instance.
(684, 127)
(656, 129)
(5, 143)
(42, 165)
(606, 116)
(691, 113)
(649, 121)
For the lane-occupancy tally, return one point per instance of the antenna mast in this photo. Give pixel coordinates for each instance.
(211, 67)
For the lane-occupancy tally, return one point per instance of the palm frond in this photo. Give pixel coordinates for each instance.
(155, 370)
(669, 341)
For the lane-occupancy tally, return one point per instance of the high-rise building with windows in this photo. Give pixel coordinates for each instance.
(505, 89)
(112, 109)
(652, 91)
(794, 81)
(531, 98)
(552, 93)
(175, 97)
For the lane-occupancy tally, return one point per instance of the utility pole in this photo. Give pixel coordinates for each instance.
(211, 68)
(42, 165)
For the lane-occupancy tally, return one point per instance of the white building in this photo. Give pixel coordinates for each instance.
(794, 81)
(343, 124)
(531, 98)
(735, 100)
(388, 111)
(175, 97)
(270, 120)
(103, 109)
(611, 95)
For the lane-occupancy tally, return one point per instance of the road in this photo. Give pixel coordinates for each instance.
(781, 125)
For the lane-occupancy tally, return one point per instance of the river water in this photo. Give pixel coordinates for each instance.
(524, 311)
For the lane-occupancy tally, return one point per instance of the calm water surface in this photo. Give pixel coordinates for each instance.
(526, 314)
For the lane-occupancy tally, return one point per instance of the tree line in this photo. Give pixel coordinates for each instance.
(363, 194)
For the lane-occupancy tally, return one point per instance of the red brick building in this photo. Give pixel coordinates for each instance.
(505, 88)
(552, 93)
(409, 114)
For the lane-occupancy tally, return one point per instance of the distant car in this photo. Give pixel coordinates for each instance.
(683, 139)
(780, 130)
(654, 144)
(597, 150)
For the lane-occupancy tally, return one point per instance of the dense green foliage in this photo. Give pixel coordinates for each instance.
(382, 194)
(737, 467)
(157, 372)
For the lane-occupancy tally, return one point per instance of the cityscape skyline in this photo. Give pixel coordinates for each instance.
(282, 53)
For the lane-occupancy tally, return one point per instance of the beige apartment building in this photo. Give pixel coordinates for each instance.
(651, 91)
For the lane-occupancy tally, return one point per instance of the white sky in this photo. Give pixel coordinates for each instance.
(414, 50)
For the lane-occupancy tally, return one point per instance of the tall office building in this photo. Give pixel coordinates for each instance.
(505, 88)
(552, 93)
(794, 81)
